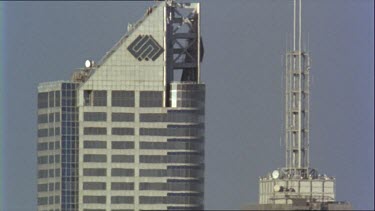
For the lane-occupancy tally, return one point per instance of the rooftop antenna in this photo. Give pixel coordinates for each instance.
(296, 182)
(297, 101)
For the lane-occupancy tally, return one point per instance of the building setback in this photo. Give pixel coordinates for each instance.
(127, 133)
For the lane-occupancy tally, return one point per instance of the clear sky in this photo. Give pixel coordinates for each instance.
(244, 42)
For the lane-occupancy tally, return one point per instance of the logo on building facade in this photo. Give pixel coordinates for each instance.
(145, 47)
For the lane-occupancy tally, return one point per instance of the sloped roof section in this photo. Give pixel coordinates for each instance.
(82, 74)
(136, 61)
(128, 33)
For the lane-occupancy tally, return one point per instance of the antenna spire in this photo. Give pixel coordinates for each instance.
(297, 25)
(297, 101)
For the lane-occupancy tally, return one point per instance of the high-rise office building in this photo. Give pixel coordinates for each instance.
(127, 132)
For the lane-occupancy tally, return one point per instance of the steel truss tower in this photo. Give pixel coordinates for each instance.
(297, 102)
(297, 182)
(297, 186)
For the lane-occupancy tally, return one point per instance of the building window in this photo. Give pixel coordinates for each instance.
(51, 172)
(88, 97)
(100, 98)
(57, 98)
(184, 131)
(51, 99)
(180, 116)
(185, 171)
(151, 99)
(176, 145)
(122, 186)
(42, 118)
(42, 146)
(43, 100)
(153, 131)
(43, 159)
(153, 172)
(57, 132)
(94, 186)
(95, 116)
(42, 200)
(57, 158)
(95, 158)
(42, 133)
(94, 199)
(94, 144)
(122, 200)
(51, 131)
(152, 186)
(57, 172)
(95, 131)
(42, 187)
(51, 145)
(153, 159)
(50, 200)
(43, 174)
(122, 158)
(184, 198)
(122, 145)
(57, 117)
(122, 131)
(122, 117)
(95, 97)
(184, 208)
(51, 186)
(121, 172)
(153, 117)
(57, 186)
(152, 199)
(172, 158)
(57, 201)
(184, 185)
(94, 172)
(123, 98)
(51, 159)
(98, 210)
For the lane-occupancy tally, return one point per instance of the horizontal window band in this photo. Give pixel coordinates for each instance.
(171, 186)
(122, 117)
(94, 144)
(173, 158)
(181, 173)
(122, 131)
(171, 117)
(171, 199)
(188, 132)
(95, 116)
(171, 145)
(94, 186)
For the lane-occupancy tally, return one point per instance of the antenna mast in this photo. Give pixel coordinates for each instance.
(297, 86)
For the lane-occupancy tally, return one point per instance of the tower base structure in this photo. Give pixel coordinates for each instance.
(301, 205)
(280, 187)
(284, 190)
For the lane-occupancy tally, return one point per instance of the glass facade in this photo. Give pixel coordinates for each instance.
(57, 146)
(69, 151)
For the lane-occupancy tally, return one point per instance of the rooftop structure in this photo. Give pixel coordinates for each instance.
(297, 186)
